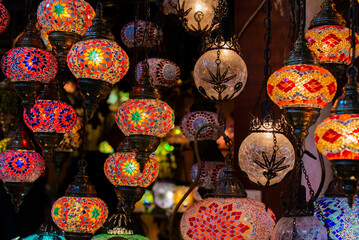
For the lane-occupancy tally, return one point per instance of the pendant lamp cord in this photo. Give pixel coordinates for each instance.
(82, 164)
(228, 161)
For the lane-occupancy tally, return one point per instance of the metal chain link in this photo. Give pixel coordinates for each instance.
(294, 231)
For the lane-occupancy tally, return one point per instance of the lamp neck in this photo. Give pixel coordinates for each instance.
(327, 15)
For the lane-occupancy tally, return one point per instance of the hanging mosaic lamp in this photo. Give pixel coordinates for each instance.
(328, 39)
(98, 62)
(148, 34)
(65, 22)
(50, 118)
(4, 18)
(301, 88)
(264, 161)
(144, 119)
(20, 166)
(220, 74)
(201, 17)
(29, 66)
(79, 213)
(341, 219)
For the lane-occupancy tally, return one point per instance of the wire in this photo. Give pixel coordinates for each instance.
(250, 19)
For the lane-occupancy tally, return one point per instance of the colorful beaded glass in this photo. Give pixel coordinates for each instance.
(145, 117)
(301, 86)
(128, 237)
(191, 122)
(331, 44)
(227, 219)
(163, 72)
(122, 169)
(342, 220)
(21, 166)
(147, 34)
(65, 15)
(4, 18)
(79, 214)
(50, 116)
(337, 137)
(29, 64)
(100, 59)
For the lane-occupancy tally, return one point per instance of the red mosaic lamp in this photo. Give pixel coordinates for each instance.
(29, 66)
(97, 62)
(301, 88)
(4, 18)
(65, 22)
(144, 119)
(20, 166)
(329, 39)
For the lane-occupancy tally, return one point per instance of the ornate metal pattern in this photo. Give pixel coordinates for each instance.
(29, 64)
(98, 59)
(301, 86)
(232, 218)
(50, 116)
(79, 214)
(145, 117)
(147, 34)
(337, 137)
(4, 18)
(21, 166)
(65, 15)
(122, 169)
(331, 44)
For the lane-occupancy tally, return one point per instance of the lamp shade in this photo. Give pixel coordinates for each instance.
(4, 18)
(122, 169)
(337, 137)
(260, 162)
(145, 117)
(100, 59)
(21, 166)
(227, 218)
(301, 86)
(79, 214)
(191, 122)
(308, 228)
(147, 34)
(50, 116)
(341, 219)
(221, 79)
(163, 194)
(29, 64)
(163, 71)
(73, 16)
(331, 44)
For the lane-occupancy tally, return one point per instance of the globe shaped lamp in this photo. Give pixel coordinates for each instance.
(20, 166)
(163, 194)
(79, 213)
(97, 62)
(220, 73)
(65, 22)
(307, 227)
(29, 66)
(147, 34)
(144, 119)
(200, 17)
(4, 19)
(264, 161)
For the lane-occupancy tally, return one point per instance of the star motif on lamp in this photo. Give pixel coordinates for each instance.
(131, 168)
(58, 9)
(271, 166)
(94, 57)
(218, 79)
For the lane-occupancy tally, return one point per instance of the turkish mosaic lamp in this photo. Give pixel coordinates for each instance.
(29, 66)
(98, 62)
(147, 34)
(4, 18)
(20, 166)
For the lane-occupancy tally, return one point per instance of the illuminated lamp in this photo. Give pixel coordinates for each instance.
(4, 18)
(220, 74)
(144, 119)
(148, 34)
(98, 62)
(29, 66)
(20, 166)
(264, 161)
(201, 17)
(65, 22)
(163, 194)
(79, 213)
